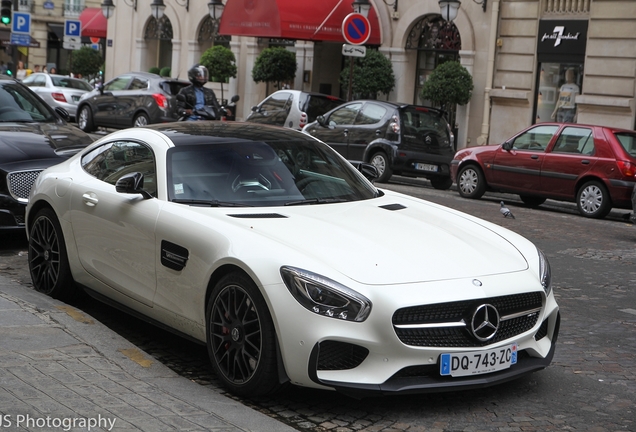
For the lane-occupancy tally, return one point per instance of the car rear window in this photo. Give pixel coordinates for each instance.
(628, 141)
(316, 105)
(71, 83)
(421, 120)
(173, 87)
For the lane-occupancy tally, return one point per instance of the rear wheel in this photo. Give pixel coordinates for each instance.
(593, 200)
(532, 201)
(441, 183)
(141, 120)
(381, 162)
(48, 261)
(240, 337)
(471, 182)
(85, 119)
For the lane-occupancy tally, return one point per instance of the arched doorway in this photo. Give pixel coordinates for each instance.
(208, 35)
(436, 42)
(158, 36)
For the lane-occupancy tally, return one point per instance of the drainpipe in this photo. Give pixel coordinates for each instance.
(492, 43)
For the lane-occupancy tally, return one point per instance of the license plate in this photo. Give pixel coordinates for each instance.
(75, 98)
(425, 167)
(478, 362)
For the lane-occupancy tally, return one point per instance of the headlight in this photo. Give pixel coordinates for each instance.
(545, 274)
(324, 296)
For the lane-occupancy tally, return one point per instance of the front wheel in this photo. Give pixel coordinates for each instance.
(48, 261)
(381, 162)
(240, 337)
(593, 200)
(85, 119)
(141, 120)
(532, 201)
(471, 182)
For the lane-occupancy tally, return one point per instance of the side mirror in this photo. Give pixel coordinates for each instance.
(255, 108)
(63, 113)
(132, 183)
(321, 121)
(507, 145)
(370, 172)
(235, 98)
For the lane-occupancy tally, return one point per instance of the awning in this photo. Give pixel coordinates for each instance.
(319, 20)
(94, 23)
(5, 40)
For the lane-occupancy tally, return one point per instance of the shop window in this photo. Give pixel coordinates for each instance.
(559, 84)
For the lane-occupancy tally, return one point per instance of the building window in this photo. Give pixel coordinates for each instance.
(73, 8)
(559, 84)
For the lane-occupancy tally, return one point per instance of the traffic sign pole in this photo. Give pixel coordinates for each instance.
(356, 31)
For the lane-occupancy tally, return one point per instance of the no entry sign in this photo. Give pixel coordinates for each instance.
(356, 29)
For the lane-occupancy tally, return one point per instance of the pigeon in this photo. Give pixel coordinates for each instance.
(506, 211)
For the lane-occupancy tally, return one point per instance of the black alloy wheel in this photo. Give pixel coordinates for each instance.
(241, 339)
(48, 261)
(441, 183)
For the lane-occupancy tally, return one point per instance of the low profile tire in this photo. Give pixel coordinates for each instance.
(240, 337)
(593, 200)
(381, 162)
(532, 201)
(441, 183)
(141, 120)
(48, 261)
(471, 182)
(85, 119)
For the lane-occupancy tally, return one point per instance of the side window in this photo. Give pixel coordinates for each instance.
(111, 161)
(39, 81)
(575, 140)
(138, 84)
(277, 102)
(536, 138)
(371, 114)
(345, 115)
(118, 83)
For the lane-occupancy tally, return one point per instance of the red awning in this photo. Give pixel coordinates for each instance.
(318, 20)
(94, 23)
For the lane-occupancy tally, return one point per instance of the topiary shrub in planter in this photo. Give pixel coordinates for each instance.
(274, 64)
(154, 70)
(221, 64)
(450, 84)
(372, 74)
(165, 72)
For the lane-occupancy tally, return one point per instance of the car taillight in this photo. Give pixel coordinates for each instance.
(303, 120)
(58, 97)
(395, 125)
(627, 168)
(161, 100)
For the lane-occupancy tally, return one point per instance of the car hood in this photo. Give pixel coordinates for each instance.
(393, 240)
(39, 143)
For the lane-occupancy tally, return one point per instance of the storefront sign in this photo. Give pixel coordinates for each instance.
(562, 38)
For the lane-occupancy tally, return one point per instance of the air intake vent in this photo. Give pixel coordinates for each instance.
(393, 207)
(258, 216)
(340, 355)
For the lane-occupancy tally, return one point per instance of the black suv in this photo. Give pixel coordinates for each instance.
(403, 139)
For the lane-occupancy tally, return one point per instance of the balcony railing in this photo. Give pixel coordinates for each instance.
(566, 6)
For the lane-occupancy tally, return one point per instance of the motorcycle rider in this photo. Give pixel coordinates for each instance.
(197, 95)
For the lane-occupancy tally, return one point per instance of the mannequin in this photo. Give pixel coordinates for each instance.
(565, 110)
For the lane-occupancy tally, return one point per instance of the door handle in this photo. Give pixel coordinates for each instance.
(585, 162)
(378, 132)
(534, 157)
(345, 132)
(90, 199)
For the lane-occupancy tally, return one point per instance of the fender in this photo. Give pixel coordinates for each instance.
(388, 147)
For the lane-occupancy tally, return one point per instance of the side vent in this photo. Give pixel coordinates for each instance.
(258, 216)
(393, 207)
(173, 256)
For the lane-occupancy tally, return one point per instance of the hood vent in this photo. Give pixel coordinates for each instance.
(258, 216)
(393, 207)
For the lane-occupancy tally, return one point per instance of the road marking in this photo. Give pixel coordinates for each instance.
(137, 356)
(76, 314)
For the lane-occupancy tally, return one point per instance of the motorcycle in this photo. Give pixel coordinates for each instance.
(207, 112)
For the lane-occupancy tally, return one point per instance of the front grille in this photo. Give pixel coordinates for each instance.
(340, 355)
(451, 335)
(20, 183)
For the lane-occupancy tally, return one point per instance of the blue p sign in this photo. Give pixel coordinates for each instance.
(72, 28)
(21, 22)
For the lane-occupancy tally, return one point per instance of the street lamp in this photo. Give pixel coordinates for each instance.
(108, 7)
(216, 9)
(362, 7)
(449, 8)
(157, 7)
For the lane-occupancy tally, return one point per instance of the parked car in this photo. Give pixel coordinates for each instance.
(58, 90)
(33, 137)
(633, 215)
(132, 99)
(404, 139)
(292, 108)
(256, 240)
(593, 166)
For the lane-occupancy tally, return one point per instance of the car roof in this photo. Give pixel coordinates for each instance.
(400, 105)
(210, 132)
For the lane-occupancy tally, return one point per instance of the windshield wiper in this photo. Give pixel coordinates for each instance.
(209, 203)
(316, 201)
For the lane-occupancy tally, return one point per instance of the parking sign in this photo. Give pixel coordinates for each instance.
(21, 22)
(72, 28)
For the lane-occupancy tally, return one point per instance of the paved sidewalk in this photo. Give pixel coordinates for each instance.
(60, 370)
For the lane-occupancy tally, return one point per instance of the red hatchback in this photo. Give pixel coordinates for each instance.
(593, 166)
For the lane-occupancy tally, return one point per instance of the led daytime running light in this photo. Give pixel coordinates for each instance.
(545, 272)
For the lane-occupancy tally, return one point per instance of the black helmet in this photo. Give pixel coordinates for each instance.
(197, 71)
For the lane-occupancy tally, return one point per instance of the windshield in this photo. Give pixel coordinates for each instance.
(66, 82)
(253, 173)
(18, 103)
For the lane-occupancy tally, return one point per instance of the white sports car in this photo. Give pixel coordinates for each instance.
(269, 247)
